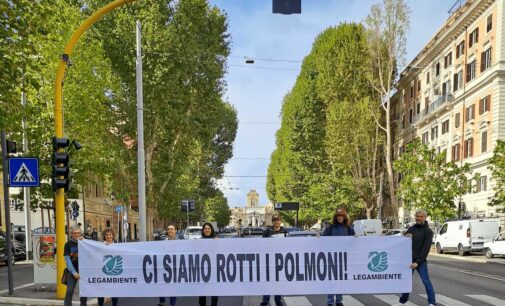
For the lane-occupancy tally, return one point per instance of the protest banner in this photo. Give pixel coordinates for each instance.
(250, 266)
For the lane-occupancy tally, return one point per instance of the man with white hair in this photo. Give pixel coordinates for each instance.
(422, 236)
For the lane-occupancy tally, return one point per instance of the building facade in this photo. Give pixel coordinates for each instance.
(452, 97)
(252, 214)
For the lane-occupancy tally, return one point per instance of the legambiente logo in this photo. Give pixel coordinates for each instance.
(378, 261)
(113, 265)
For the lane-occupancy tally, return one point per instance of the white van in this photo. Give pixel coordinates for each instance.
(464, 236)
(367, 227)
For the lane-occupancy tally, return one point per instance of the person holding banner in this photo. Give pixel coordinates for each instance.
(422, 237)
(108, 239)
(275, 231)
(208, 233)
(171, 235)
(339, 227)
(71, 255)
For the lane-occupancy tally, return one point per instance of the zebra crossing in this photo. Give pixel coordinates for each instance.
(383, 300)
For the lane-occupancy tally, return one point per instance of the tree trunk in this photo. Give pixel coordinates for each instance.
(389, 167)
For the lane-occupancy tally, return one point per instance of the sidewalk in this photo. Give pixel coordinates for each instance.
(27, 295)
(473, 257)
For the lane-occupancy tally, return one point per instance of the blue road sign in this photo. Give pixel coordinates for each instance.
(119, 208)
(24, 172)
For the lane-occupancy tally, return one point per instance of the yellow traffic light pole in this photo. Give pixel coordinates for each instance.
(58, 126)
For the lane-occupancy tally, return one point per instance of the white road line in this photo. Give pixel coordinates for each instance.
(445, 300)
(18, 287)
(392, 300)
(350, 301)
(297, 301)
(488, 299)
(494, 277)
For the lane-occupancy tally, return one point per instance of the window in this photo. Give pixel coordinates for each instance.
(483, 142)
(470, 71)
(446, 87)
(481, 184)
(428, 77)
(468, 148)
(437, 69)
(425, 137)
(470, 113)
(485, 105)
(412, 91)
(458, 80)
(411, 116)
(456, 120)
(445, 127)
(443, 230)
(419, 86)
(403, 120)
(473, 38)
(426, 105)
(448, 60)
(485, 60)
(489, 24)
(460, 49)
(434, 132)
(456, 152)
(418, 108)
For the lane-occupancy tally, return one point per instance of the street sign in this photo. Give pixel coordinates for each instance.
(287, 206)
(188, 203)
(118, 208)
(24, 172)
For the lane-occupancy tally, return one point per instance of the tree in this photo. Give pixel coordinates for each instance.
(497, 167)
(387, 26)
(429, 182)
(217, 210)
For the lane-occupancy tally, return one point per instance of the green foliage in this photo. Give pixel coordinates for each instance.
(429, 182)
(316, 153)
(497, 167)
(217, 210)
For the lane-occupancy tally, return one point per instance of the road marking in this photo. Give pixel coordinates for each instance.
(494, 277)
(350, 301)
(392, 300)
(445, 300)
(18, 287)
(297, 301)
(488, 299)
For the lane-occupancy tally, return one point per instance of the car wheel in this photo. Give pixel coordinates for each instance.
(439, 249)
(461, 251)
(489, 253)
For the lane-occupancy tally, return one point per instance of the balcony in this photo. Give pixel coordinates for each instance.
(440, 103)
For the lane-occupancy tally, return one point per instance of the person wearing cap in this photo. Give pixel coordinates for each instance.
(339, 227)
(275, 231)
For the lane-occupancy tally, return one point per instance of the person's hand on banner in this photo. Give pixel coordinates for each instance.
(414, 265)
(76, 275)
(408, 235)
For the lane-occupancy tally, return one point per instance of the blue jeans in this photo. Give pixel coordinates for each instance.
(422, 269)
(266, 300)
(173, 300)
(338, 298)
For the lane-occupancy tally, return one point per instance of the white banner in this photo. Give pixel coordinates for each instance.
(248, 266)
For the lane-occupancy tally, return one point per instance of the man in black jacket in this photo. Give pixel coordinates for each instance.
(276, 231)
(422, 237)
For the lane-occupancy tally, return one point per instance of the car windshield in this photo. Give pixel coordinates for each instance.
(193, 230)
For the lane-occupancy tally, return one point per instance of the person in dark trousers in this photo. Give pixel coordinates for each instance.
(422, 237)
(94, 235)
(208, 233)
(275, 231)
(71, 256)
(171, 235)
(339, 227)
(108, 239)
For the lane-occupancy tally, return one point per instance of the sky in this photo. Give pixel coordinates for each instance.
(257, 90)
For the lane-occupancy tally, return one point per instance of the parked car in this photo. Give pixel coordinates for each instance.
(395, 232)
(303, 234)
(227, 235)
(4, 251)
(44, 230)
(368, 227)
(180, 234)
(463, 236)
(193, 232)
(496, 247)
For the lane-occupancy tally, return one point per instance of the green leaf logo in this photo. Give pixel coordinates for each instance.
(113, 265)
(378, 261)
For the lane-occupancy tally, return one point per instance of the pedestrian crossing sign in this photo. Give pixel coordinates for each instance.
(24, 172)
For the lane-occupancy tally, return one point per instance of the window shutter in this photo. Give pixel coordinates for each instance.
(481, 106)
(482, 61)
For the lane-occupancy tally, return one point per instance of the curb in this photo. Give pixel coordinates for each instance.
(462, 258)
(42, 302)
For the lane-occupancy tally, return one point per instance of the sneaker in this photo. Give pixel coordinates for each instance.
(339, 304)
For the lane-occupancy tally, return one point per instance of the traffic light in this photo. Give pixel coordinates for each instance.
(60, 163)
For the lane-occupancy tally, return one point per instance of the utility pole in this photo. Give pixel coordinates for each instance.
(26, 190)
(7, 212)
(141, 163)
